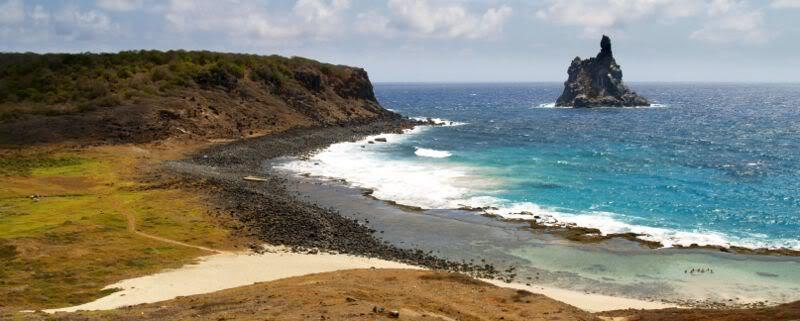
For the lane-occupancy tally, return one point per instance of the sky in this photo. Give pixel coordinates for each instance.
(438, 41)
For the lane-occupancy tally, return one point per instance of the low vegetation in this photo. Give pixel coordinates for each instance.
(65, 225)
(53, 84)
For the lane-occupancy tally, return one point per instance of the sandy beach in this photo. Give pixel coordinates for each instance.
(231, 269)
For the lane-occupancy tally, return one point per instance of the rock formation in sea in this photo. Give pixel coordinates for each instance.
(597, 81)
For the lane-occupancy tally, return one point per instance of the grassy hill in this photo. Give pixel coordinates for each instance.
(79, 211)
(277, 93)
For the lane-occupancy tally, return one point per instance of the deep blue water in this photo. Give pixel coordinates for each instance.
(720, 160)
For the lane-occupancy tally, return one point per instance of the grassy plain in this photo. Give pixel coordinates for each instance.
(66, 223)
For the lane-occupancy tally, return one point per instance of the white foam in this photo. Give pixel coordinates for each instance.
(553, 105)
(440, 121)
(449, 185)
(546, 105)
(612, 223)
(425, 152)
(422, 184)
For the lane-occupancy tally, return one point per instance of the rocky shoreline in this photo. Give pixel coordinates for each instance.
(267, 210)
(270, 213)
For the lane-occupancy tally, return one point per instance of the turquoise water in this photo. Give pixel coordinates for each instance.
(711, 164)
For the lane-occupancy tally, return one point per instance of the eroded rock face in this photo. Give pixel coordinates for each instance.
(597, 81)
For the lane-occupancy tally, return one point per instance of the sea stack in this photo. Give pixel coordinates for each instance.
(597, 82)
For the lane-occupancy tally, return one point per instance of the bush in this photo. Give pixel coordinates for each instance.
(107, 101)
(93, 88)
(159, 73)
(219, 75)
(86, 81)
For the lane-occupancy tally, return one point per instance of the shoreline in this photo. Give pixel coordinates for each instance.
(274, 214)
(225, 168)
(577, 232)
(223, 271)
(443, 230)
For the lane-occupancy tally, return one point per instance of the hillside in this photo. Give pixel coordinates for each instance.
(351, 295)
(84, 200)
(142, 96)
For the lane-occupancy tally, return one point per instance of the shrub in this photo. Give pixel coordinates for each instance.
(219, 75)
(159, 73)
(85, 81)
(92, 88)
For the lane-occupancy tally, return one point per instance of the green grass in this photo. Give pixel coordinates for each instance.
(17, 165)
(54, 84)
(71, 166)
(63, 249)
(22, 217)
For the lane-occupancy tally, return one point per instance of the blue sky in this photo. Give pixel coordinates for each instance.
(428, 40)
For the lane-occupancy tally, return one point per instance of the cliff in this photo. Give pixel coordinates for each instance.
(142, 96)
(597, 81)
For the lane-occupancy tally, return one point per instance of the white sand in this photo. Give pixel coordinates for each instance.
(229, 270)
(586, 301)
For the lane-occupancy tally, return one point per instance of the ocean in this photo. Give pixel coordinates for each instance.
(706, 164)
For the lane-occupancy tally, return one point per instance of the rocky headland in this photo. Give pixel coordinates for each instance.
(597, 82)
(150, 96)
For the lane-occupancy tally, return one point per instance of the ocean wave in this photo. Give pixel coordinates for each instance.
(449, 185)
(546, 105)
(440, 121)
(612, 223)
(425, 152)
(423, 184)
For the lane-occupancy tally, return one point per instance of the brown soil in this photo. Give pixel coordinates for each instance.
(789, 311)
(352, 295)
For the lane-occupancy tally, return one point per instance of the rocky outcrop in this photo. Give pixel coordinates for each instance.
(597, 82)
(218, 96)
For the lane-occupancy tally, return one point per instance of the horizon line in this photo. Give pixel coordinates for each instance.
(561, 82)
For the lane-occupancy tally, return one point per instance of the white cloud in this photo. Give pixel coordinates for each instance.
(596, 16)
(248, 21)
(317, 11)
(227, 17)
(726, 21)
(37, 24)
(12, 12)
(731, 21)
(785, 4)
(39, 16)
(375, 23)
(119, 5)
(321, 17)
(73, 23)
(419, 18)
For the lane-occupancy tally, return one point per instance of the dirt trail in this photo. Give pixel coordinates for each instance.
(131, 218)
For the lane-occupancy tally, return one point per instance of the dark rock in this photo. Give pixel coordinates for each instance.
(380, 139)
(311, 80)
(275, 215)
(394, 314)
(356, 85)
(597, 81)
(168, 115)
